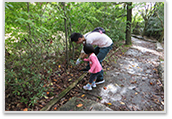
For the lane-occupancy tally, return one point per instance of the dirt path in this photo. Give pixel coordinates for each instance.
(132, 82)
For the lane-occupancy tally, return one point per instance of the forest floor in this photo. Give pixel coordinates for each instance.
(131, 83)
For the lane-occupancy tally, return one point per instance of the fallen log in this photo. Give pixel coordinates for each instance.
(139, 37)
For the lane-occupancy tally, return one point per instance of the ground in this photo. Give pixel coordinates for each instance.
(132, 83)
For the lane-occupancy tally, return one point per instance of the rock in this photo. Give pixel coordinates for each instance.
(159, 47)
(161, 71)
(87, 105)
(99, 107)
(148, 71)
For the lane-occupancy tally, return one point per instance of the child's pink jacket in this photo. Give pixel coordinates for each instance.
(95, 65)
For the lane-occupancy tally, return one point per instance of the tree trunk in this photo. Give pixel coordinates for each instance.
(28, 23)
(161, 37)
(144, 30)
(128, 25)
(66, 34)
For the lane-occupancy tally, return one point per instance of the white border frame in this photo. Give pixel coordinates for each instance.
(90, 112)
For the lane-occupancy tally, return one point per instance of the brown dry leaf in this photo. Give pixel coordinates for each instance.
(155, 69)
(55, 80)
(104, 87)
(25, 109)
(79, 105)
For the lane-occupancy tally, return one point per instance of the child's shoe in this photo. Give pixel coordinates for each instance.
(87, 87)
(93, 84)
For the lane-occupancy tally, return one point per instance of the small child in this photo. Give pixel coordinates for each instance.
(95, 66)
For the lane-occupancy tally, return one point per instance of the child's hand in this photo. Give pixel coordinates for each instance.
(86, 59)
(89, 72)
(78, 61)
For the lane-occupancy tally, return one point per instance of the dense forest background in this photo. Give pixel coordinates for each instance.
(37, 37)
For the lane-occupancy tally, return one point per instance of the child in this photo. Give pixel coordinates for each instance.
(95, 66)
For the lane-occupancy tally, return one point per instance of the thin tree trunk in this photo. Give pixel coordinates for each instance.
(28, 23)
(128, 25)
(66, 34)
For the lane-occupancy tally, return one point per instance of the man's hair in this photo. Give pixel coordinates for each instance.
(88, 48)
(74, 36)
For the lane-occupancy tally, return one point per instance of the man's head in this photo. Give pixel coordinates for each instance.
(77, 38)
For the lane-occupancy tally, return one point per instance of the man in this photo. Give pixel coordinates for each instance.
(102, 41)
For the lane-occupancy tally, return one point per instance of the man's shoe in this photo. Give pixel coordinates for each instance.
(100, 81)
(84, 69)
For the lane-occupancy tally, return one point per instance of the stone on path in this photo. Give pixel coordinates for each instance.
(87, 105)
(159, 47)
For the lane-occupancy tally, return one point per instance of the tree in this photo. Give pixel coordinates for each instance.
(146, 14)
(128, 24)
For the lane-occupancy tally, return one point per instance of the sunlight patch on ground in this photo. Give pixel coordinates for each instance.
(112, 93)
(144, 50)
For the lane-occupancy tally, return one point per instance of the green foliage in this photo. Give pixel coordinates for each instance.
(148, 19)
(155, 25)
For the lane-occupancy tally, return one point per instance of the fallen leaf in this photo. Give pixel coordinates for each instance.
(45, 97)
(70, 80)
(162, 102)
(109, 104)
(155, 69)
(55, 80)
(122, 103)
(79, 105)
(25, 109)
(82, 95)
(104, 87)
